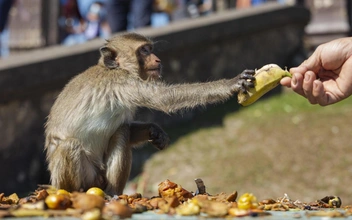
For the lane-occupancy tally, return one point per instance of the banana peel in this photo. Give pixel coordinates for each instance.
(266, 79)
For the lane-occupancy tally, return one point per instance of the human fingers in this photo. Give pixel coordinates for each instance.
(286, 81)
(311, 88)
(300, 69)
(307, 86)
(313, 62)
(321, 96)
(296, 83)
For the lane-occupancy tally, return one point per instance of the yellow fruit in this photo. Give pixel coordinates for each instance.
(62, 192)
(50, 189)
(191, 207)
(247, 201)
(96, 191)
(94, 214)
(266, 79)
(57, 201)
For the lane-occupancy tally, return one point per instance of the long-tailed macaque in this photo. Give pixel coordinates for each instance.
(90, 129)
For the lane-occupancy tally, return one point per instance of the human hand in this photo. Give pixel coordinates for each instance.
(326, 76)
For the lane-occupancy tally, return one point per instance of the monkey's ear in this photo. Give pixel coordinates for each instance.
(109, 57)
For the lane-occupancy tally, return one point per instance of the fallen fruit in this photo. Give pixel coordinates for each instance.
(62, 192)
(247, 201)
(117, 208)
(87, 202)
(57, 201)
(96, 191)
(168, 189)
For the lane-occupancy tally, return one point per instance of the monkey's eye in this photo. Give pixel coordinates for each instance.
(145, 50)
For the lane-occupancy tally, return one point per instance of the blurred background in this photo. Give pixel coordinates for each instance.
(280, 145)
(37, 23)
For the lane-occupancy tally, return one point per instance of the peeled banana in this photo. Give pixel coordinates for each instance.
(266, 79)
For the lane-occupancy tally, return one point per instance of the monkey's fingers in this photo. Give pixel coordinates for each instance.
(266, 79)
(161, 142)
(248, 75)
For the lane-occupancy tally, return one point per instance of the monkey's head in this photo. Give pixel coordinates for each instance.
(132, 52)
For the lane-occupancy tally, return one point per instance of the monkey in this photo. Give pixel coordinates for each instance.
(90, 130)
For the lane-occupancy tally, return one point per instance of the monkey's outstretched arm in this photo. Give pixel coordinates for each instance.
(171, 98)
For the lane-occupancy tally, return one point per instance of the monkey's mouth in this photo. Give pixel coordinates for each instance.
(155, 73)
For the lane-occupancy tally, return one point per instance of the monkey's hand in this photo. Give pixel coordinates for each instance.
(243, 81)
(158, 137)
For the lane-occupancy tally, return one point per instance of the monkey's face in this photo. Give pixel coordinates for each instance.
(150, 64)
(131, 52)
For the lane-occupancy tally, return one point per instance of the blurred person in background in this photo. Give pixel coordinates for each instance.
(179, 9)
(250, 3)
(243, 4)
(121, 13)
(71, 23)
(95, 15)
(197, 8)
(164, 11)
(5, 6)
(82, 20)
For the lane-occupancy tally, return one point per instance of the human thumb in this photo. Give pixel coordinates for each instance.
(313, 62)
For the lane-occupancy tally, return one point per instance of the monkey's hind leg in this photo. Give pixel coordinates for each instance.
(118, 161)
(71, 168)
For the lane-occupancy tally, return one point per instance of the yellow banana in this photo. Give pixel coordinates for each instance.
(266, 79)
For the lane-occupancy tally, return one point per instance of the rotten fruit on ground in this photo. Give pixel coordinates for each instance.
(117, 208)
(191, 207)
(266, 79)
(154, 202)
(11, 199)
(332, 201)
(247, 201)
(173, 199)
(169, 189)
(214, 208)
(62, 192)
(55, 201)
(94, 214)
(86, 202)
